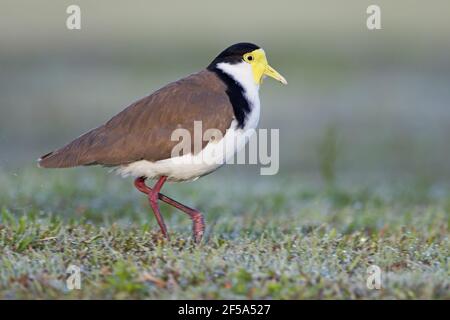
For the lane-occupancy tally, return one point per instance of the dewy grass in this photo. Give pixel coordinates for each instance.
(297, 242)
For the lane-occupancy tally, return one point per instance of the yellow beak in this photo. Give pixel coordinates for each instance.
(261, 67)
(271, 72)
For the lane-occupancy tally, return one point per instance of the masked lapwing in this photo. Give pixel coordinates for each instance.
(138, 141)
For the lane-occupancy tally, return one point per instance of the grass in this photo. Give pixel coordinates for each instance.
(299, 241)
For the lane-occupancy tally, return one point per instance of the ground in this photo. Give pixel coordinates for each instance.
(272, 238)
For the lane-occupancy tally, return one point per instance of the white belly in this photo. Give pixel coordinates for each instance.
(191, 167)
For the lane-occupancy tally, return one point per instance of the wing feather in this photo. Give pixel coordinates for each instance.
(142, 131)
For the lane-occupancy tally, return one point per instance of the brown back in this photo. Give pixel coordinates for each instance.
(142, 131)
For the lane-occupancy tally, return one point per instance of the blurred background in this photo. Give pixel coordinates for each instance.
(359, 102)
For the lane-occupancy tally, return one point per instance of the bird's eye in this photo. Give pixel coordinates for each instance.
(250, 58)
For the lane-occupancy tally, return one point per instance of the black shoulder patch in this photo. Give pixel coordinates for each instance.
(235, 93)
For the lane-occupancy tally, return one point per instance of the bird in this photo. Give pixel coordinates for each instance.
(138, 141)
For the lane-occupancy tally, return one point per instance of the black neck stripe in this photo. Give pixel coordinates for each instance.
(235, 92)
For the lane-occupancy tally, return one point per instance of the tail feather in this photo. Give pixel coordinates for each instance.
(41, 162)
(76, 153)
(60, 159)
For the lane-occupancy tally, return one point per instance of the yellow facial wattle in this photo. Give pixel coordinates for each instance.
(260, 67)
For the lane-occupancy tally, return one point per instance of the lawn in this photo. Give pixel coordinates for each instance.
(267, 238)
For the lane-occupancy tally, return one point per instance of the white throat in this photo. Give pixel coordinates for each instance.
(243, 74)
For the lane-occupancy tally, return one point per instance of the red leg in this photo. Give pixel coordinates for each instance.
(198, 222)
(197, 218)
(153, 198)
(139, 183)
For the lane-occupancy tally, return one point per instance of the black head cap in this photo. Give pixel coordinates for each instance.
(234, 53)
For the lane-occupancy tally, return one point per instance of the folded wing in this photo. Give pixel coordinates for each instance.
(143, 130)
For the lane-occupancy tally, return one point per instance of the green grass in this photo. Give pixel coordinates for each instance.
(267, 237)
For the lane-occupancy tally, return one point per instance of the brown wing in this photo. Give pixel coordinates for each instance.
(143, 130)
